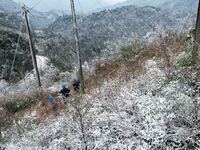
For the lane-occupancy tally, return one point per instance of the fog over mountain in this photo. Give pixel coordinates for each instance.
(141, 3)
(86, 5)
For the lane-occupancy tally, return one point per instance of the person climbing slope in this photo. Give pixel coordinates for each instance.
(75, 83)
(53, 102)
(64, 92)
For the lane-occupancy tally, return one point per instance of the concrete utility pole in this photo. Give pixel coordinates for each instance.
(77, 46)
(197, 38)
(25, 11)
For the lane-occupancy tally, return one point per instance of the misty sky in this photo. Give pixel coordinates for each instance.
(87, 5)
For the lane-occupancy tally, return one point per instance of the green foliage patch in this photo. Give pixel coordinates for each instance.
(188, 60)
(18, 105)
(132, 50)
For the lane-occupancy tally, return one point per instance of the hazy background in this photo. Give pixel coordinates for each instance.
(63, 5)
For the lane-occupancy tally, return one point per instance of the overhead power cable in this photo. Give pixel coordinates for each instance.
(110, 15)
(36, 4)
(16, 50)
(81, 8)
(100, 4)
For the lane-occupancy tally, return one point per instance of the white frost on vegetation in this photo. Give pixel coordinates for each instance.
(48, 74)
(117, 116)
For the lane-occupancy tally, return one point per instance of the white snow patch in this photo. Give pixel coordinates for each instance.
(120, 116)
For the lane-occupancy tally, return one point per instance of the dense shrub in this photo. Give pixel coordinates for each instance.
(187, 61)
(15, 106)
(132, 50)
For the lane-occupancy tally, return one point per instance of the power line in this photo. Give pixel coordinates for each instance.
(42, 17)
(16, 50)
(33, 15)
(100, 4)
(115, 20)
(58, 5)
(98, 1)
(36, 4)
(81, 8)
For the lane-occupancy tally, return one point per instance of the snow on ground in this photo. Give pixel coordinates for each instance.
(48, 74)
(117, 116)
(3, 85)
(42, 62)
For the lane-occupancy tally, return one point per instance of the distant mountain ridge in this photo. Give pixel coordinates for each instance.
(38, 20)
(103, 33)
(141, 3)
(163, 4)
(180, 6)
(9, 6)
(109, 26)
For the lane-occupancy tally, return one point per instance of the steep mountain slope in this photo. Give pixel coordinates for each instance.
(8, 43)
(181, 8)
(9, 29)
(104, 32)
(38, 20)
(56, 48)
(8, 6)
(9, 20)
(139, 103)
(110, 28)
(158, 3)
(144, 113)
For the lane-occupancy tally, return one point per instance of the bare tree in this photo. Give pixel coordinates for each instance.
(165, 52)
(81, 109)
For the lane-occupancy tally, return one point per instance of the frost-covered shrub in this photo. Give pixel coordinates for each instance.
(122, 115)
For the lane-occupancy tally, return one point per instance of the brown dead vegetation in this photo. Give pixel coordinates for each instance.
(122, 70)
(118, 70)
(163, 49)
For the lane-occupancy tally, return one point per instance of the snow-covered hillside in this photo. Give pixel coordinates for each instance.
(28, 84)
(146, 112)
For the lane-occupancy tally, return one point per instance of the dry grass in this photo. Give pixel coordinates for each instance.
(124, 70)
(111, 69)
(118, 70)
(42, 108)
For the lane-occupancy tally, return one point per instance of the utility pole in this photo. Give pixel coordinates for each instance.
(80, 70)
(34, 61)
(197, 38)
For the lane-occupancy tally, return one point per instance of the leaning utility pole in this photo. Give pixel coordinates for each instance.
(197, 38)
(25, 11)
(80, 70)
